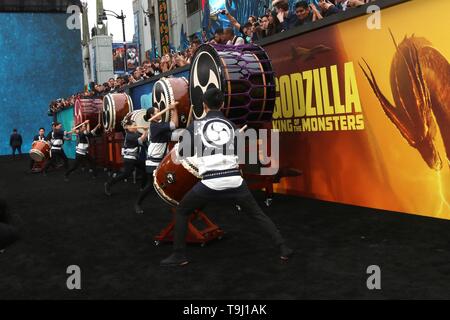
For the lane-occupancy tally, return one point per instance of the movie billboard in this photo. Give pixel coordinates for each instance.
(364, 113)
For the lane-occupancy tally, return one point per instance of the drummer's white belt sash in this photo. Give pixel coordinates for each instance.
(130, 153)
(153, 162)
(57, 144)
(82, 148)
(56, 147)
(155, 153)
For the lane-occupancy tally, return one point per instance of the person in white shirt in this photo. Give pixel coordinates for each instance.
(232, 39)
(210, 146)
(82, 150)
(160, 135)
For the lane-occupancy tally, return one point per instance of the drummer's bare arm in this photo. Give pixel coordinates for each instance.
(94, 131)
(143, 137)
(233, 20)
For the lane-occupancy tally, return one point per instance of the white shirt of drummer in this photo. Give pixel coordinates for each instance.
(218, 162)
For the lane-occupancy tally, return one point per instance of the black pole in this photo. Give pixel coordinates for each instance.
(123, 25)
(122, 17)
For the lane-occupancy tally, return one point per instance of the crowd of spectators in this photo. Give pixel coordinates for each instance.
(280, 19)
(147, 70)
(276, 20)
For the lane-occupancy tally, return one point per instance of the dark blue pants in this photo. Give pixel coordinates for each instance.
(55, 155)
(83, 159)
(16, 148)
(128, 166)
(200, 195)
(149, 186)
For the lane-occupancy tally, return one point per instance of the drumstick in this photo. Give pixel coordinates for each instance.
(137, 127)
(243, 129)
(191, 111)
(81, 124)
(151, 119)
(160, 113)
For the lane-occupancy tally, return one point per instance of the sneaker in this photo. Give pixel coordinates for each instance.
(138, 209)
(107, 189)
(175, 260)
(285, 252)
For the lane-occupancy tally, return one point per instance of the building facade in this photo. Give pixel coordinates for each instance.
(183, 16)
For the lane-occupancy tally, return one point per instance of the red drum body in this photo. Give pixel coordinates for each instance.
(245, 76)
(168, 90)
(88, 109)
(114, 143)
(40, 151)
(115, 108)
(174, 177)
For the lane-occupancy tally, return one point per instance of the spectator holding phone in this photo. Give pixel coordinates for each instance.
(286, 18)
(245, 30)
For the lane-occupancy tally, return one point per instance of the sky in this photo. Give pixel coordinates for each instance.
(114, 25)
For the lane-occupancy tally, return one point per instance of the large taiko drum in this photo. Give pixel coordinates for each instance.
(88, 109)
(40, 150)
(137, 117)
(168, 90)
(245, 75)
(174, 177)
(115, 108)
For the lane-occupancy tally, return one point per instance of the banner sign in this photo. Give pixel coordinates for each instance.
(164, 27)
(364, 111)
